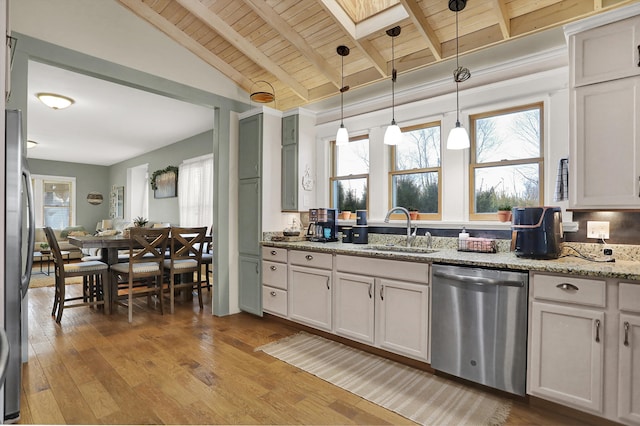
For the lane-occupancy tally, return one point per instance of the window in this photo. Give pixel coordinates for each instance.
(415, 171)
(54, 199)
(195, 191)
(350, 175)
(506, 160)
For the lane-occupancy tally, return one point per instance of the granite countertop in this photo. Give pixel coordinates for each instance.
(503, 259)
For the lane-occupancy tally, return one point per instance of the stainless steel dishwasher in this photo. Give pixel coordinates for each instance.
(479, 325)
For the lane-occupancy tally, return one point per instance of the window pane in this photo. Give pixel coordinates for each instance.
(352, 158)
(56, 217)
(56, 194)
(57, 204)
(350, 194)
(516, 185)
(420, 149)
(510, 136)
(417, 191)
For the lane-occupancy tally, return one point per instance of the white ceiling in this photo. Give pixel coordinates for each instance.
(108, 123)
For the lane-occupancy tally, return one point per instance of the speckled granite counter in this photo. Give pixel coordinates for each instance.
(620, 269)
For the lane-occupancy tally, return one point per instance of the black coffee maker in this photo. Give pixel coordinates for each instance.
(325, 225)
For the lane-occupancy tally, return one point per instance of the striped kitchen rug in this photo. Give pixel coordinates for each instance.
(415, 394)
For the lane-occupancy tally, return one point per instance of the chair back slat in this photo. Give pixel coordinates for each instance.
(148, 244)
(187, 242)
(55, 248)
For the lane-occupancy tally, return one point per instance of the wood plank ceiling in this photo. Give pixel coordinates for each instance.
(291, 44)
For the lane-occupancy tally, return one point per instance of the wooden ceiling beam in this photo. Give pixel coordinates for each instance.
(503, 18)
(149, 15)
(226, 31)
(422, 25)
(267, 13)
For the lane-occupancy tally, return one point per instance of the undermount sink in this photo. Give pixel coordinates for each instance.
(401, 249)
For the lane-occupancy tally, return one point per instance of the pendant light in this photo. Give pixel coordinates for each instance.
(342, 137)
(393, 134)
(458, 137)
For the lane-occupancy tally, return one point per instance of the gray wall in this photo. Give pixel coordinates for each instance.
(164, 209)
(89, 178)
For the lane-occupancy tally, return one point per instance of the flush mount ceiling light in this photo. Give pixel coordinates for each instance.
(262, 96)
(55, 101)
(393, 134)
(31, 144)
(458, 136)
(342, 137)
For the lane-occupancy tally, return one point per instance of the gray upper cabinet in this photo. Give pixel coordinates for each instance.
(290, 130)
(289, 197)
(297, 157)
(250, 147)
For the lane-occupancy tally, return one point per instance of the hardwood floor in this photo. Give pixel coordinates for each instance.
(186, 368)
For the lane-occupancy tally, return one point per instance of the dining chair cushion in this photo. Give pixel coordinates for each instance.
(181, 264)
(138, 268)
(93, 265)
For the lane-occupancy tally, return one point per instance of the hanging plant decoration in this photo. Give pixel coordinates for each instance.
(165, 182)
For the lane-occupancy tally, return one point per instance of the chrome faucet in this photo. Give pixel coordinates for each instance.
(410, 236)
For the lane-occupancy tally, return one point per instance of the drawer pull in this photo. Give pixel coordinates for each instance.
(639, 55)
(370, 290)
(597, 331)
(381, 292)
(273, 268)
(273, 252)
(567, 286)
(626, 333)
(308, 257)
(273, 293)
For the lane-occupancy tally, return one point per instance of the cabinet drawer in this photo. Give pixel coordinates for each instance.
(311, 259)
(629, 297)
(274, 300)
(569, 289)
(384, 268)
(274, 274)
(274, 254)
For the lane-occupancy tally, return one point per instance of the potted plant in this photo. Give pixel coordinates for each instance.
(140, 222)
(345, 215)
(504, 213)
(413, 213)
(44, 248)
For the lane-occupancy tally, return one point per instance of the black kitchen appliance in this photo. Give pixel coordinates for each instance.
(537, 232)
(361, 234)
(326, 225)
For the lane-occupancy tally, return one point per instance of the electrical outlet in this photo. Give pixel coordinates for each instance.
(608, 252)
(598, 229)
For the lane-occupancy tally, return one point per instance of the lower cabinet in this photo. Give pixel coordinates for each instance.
(250, 294)
(310, 296)
(355, 307)
(567, 345)
(629, 353)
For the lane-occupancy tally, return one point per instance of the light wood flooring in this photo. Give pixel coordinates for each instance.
(186, 368)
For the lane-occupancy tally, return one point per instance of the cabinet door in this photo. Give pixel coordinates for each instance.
(290, 130)
(403, 324)
(566, 355)
(606, 132)
(249, 219)
(289, 177)
(606, 53)
(310, 296)
(250, 147)
(354, 307)
(250, 287)
(629, 369)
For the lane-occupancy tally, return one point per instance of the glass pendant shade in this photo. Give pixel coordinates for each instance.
(393, 134)
(342, 137)
(458, 138)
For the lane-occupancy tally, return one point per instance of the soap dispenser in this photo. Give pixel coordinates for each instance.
(462, 239)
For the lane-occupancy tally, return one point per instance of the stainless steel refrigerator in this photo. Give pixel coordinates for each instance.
(19, 240)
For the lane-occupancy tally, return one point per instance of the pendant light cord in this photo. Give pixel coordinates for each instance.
(456, 77)
(393, 82)
(342, 92)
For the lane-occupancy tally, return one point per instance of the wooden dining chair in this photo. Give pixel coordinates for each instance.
(186, 258)
(143, 274)
(207, 260)
(95, 288)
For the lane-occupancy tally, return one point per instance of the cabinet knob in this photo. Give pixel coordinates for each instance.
(273, 293)
(273, 252)
(273, 268)
(308, 257)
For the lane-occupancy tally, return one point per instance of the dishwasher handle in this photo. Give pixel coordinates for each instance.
(478, 280)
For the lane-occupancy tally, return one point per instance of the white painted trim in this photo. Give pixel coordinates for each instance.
(601, 19)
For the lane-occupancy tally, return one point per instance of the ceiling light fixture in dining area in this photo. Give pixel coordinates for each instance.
(458, 136)
(342, 137)
(55, 101)
(393, 134)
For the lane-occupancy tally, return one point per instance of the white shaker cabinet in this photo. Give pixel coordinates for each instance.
(310, 288)
(604, 151)
(629, 353)
(355, 307)
(274, 281)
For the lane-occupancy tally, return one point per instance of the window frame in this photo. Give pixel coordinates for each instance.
(473, 165)
(38, 181)
(333, 178)
(393, 172)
